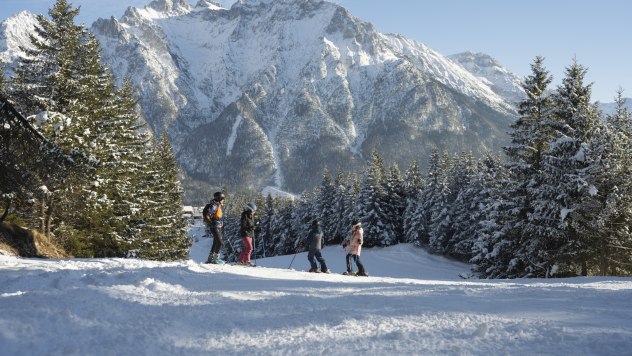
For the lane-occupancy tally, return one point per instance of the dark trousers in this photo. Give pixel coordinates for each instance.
(319, 257)
(358, 263)
(217, 240)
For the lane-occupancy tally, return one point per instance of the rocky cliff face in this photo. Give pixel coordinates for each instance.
(269, 92)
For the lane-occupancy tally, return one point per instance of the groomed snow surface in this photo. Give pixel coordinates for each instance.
(413, 303)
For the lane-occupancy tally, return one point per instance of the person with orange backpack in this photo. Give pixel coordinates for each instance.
(213, 216)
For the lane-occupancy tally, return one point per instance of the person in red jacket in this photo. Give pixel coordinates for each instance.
(355, 241)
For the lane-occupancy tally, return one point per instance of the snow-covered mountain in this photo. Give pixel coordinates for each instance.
(14, 32)
(269, 92)
(500, 79)
(609, 108)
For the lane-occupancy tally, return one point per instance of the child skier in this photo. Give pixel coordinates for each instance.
(355, 241)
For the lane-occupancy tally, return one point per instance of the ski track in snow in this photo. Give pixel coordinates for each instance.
(413, 303)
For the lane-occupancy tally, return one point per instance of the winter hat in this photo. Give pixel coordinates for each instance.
(356, 223)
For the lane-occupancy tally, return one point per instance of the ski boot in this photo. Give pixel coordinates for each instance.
(210, 259)
(313, 270)
(214, 259)
(362, 273)
(349, 273)
(325, 271)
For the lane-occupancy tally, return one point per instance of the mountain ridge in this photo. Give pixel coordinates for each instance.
(264, 92)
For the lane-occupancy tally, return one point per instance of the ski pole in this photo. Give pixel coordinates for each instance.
(290, 266)
(254, 237)
(295, 253)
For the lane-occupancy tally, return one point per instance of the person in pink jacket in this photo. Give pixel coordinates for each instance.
(355, 241)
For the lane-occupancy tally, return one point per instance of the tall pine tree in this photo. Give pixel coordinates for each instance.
(561, 242)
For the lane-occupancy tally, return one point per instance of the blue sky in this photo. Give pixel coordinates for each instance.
(596, 33)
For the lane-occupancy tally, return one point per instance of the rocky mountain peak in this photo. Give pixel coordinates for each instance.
(170, 7)
(109, 27)
(157, 9)
(501, 80)
(14, 32)
(208, 4)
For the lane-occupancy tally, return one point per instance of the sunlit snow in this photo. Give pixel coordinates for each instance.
(413, 303)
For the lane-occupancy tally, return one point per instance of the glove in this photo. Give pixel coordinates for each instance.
(344, 245)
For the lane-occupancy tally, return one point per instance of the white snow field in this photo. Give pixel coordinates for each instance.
(413, 303)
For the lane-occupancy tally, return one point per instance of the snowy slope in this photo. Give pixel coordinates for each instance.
(413, 304)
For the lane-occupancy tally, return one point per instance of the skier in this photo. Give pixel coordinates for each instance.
(247, 232)
(315, 241)
(355, 241)
(213, 216)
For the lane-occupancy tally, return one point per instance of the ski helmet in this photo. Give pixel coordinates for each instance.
(355, 223)
(252, 207)
(218, 196)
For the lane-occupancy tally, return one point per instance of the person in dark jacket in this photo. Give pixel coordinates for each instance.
(247, 233)
(315, 241)
(214, 218)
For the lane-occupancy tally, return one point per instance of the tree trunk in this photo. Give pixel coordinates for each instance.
(584, 268)
(603, 260)
(6, 211)
(42, 218)
(49, 218)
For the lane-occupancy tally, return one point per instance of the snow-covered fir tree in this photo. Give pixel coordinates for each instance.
(267, 223)
(493, 247)
(163, 226)
(611, 241)
(435, 204)
(531, 135)
(351, 191)
(325, 203)
(306, 212)
(124, 161)
(561, 242)
(3, 81)
(339, 202)
(46, 77)
(371, 208)
(395, 201)
(287, 232)
(464, 209)
(413, 185)
(72, 97)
